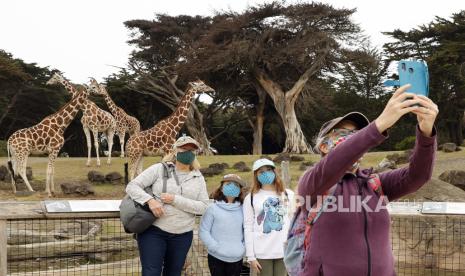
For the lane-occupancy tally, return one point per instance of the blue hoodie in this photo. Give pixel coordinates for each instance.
(222, 232)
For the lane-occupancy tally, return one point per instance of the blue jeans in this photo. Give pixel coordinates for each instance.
(161, 251)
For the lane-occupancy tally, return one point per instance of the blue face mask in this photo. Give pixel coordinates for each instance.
(230, 189)
(266, 178)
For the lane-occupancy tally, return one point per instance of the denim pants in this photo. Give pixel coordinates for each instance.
(161, 251)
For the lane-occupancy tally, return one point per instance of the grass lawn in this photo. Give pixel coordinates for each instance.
(74, 169)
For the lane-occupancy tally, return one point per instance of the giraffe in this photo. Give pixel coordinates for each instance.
(46, 136)
(93, 120)
(124, 122)
(159, 139)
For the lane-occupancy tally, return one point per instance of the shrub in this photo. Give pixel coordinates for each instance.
(3, 152)
(407, 143)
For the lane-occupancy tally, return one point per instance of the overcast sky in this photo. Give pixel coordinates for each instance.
(87, 38)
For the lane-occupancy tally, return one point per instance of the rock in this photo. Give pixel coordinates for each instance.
(77, 188)
(305, 165)
(241, 166)
(437, 190)
(448, 147)
(385, 165)
(454, 177)
(284, 156)
(399, 158)
(297, 158)
(4, 173)
(113, 177)
(64, 154)
(225, 165)
(218, 166)
(95, 176)
(208, 172)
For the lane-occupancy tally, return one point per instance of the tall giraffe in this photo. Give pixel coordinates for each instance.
(124, 122)
(46, 136)
(93, 119)
(159, 139)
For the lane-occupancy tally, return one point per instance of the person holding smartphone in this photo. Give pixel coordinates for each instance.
(356, 242)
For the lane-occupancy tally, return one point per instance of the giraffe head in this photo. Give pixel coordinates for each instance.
(199, 86)
(55, 79)
(94, 87)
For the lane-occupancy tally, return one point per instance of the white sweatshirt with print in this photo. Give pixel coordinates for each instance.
(266, 224)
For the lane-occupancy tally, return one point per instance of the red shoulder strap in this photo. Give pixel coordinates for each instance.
(375, 184)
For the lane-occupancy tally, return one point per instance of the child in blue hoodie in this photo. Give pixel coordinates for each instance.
(221, 228)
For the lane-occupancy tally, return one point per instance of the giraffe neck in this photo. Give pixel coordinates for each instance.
(68, 111)
(111, 104)
(68, 87)
(178, 118)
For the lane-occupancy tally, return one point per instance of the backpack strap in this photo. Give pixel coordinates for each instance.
(375, 184)
(315, 213)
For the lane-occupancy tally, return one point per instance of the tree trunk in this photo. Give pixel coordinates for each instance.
(194, 125)
(259, 120)
(295, 139)
(284, 103)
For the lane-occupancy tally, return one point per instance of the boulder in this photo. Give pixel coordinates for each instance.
(284, 156)
(95, 176)
(448, 147)
(454, 177)
(99, 257)
(113, 177)
(305, 165)
(64, 154)
(81, 189)
(437, 190)
(399, 158)
(297, 158)
(385, 165)
(218, 166)
(208, 172)
(225, 165)
(241, 166)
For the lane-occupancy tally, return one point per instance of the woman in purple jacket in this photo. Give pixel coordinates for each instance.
(356, 242)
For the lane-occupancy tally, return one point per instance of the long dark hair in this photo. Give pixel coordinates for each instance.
(219, 196)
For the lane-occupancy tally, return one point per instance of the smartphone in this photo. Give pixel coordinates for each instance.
(415, 73)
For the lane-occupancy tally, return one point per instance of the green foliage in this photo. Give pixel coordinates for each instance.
(3, 151)
(407, 143)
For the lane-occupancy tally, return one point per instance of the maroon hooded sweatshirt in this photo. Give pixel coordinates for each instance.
(357, 243)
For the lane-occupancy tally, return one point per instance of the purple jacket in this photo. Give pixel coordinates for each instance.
(357, 242)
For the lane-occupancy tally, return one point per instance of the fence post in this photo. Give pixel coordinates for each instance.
(286, 174)
(3, 247)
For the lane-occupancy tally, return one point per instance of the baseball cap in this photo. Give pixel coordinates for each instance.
(262, 162)
(233, 178)
(186, 140)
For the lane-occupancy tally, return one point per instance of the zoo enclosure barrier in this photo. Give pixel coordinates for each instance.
(427, 239)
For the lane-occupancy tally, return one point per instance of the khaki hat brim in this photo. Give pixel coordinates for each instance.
(358, 118)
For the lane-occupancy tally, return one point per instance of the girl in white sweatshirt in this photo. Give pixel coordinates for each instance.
(267, 212)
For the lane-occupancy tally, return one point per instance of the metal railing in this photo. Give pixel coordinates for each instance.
(33, 242)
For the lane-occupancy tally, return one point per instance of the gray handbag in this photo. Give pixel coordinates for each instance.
(135, 217)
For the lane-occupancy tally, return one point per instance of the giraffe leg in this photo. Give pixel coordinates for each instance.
(121, 142)
(14, 170)
(50, 188)
(96, 145)
(89, 144)
(22, 172)
(110, 135)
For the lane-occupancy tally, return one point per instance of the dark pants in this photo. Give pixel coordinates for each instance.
(162, 251)
(220, 268)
